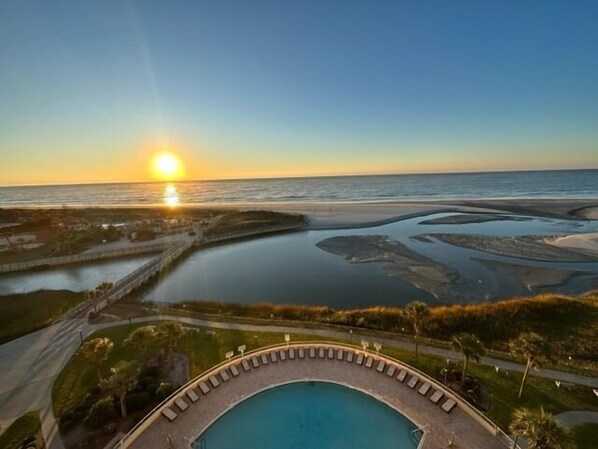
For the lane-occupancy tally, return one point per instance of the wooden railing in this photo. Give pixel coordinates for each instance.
(85, 257)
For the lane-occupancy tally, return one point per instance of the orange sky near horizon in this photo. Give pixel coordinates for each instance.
(138, 165)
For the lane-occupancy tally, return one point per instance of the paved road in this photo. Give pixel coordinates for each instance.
(31, 363)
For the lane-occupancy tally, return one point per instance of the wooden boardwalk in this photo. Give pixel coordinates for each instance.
(141, 275)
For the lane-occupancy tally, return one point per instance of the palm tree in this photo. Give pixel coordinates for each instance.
(104, 288)
(92, 296)
(416, 313)
(540, 429)
(532, 347)
(471, 347)
(97, 352)
(141, 339)
(123, 379)
(169, 334)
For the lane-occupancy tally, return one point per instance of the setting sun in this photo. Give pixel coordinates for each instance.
(167, 166)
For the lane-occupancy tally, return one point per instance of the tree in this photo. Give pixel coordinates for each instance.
(123, 379)
(416, 313)
(104, 288)
(97, 352)
(530, 346)
(92, 296)
(169, 334)
(470, 347)
(141, 339)
(540, 429)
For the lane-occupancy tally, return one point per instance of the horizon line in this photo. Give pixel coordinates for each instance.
(274, 178)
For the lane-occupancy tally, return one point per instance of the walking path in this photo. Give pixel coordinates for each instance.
(31, 363)
(575, 418)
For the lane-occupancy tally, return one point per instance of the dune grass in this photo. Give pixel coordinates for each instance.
(25, 313)
(248, 220)
(27, 425)
(569, 324)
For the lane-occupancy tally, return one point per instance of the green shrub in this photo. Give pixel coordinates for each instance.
(145, 381)
(164, 390)
(136, 401)
(101, 412)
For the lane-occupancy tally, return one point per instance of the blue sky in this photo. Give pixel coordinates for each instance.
(90, 90)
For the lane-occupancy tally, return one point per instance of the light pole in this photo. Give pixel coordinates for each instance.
(515, 441)
(242, 349)
(350, 335)
(364, 345)
(80, 335)
(229, 355)
(378, 347)
(446, 370)
(287, 338)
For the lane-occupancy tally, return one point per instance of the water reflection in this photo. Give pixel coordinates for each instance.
(171, 196)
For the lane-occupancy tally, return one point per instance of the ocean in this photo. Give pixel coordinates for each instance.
(409, 187)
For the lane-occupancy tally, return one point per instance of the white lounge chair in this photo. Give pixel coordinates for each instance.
(245, 365)
(191, 394)
(359, 359)
(255, 362)
(449, 405)
(181, 404)
(204, 388)
(381, 366)
(301, 353)
(283, 355)
(224, 375)
(350, 356)
(215, 382)
(413, 381)
(402, 375)
(273, 356)
(339, 354)
(321, 353)
(292, 353)
(312, 352)
(369, 362)
(436, 396)
(169, 414)
(391, 370)
(330, 353)
(264, 359)
(423, 390)
(234, 370)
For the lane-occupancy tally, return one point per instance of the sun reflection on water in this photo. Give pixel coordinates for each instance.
(171, 196)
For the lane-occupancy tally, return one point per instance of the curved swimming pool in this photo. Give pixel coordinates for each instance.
(310, 415)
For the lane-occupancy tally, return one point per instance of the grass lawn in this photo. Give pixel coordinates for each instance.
(505, 387)
(25, 426)
(585, 436)
(205, 350)
(22, 314)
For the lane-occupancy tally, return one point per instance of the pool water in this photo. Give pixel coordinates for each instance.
(309, 415)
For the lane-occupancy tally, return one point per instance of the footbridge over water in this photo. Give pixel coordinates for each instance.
(143, 274)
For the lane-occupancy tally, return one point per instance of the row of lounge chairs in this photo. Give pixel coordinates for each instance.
(192, 393)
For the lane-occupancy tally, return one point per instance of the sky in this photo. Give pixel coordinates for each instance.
(92, 91)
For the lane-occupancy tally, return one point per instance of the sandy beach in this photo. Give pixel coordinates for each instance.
(345, 215)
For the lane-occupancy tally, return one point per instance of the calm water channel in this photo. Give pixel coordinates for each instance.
(289, 268)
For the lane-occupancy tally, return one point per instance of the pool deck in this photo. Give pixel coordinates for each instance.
(471, 431)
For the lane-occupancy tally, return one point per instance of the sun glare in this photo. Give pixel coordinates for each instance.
(167, 166)
(171, 196)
